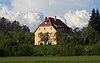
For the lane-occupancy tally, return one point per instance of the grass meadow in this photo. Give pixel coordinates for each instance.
(69, 59)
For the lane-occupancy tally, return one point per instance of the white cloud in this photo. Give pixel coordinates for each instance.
(50, 7)
(29, 5)
(29, 12)
(77, 18)
(31, 19)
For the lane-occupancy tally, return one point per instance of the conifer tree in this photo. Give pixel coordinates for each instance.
(95, 20)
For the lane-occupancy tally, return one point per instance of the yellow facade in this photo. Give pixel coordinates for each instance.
(46, 29)
(45, 34)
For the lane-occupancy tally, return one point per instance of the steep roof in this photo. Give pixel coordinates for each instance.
(56, 23)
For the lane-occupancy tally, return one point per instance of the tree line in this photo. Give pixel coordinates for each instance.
(17, 40)
(7, 25)
(85, 41)
(13, 34)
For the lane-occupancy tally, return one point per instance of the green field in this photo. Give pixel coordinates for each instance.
(70, 59)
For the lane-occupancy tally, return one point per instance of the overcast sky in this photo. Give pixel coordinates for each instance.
(32, 12)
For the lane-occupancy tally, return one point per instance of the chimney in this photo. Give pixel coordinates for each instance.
(55, 18)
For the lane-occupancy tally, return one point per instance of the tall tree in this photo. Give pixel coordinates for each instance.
(25, 28)
(95, 20)
(92, 18)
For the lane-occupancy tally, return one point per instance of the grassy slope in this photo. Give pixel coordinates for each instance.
(72, 59)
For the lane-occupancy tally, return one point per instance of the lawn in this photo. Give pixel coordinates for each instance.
(70, 59)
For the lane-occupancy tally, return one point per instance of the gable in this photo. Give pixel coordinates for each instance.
(45, 29)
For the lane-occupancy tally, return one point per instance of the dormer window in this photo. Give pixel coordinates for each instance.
(45, 22)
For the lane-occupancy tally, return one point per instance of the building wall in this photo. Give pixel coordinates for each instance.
(46, 29)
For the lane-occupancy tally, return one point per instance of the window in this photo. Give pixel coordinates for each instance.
(63, 28)
(51, 34)
(45, 22)
(50, 28)
(44, 28)
(40, 34)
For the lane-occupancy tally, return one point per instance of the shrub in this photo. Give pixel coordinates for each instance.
(2, 51)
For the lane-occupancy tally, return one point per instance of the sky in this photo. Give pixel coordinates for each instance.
(75, 13)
